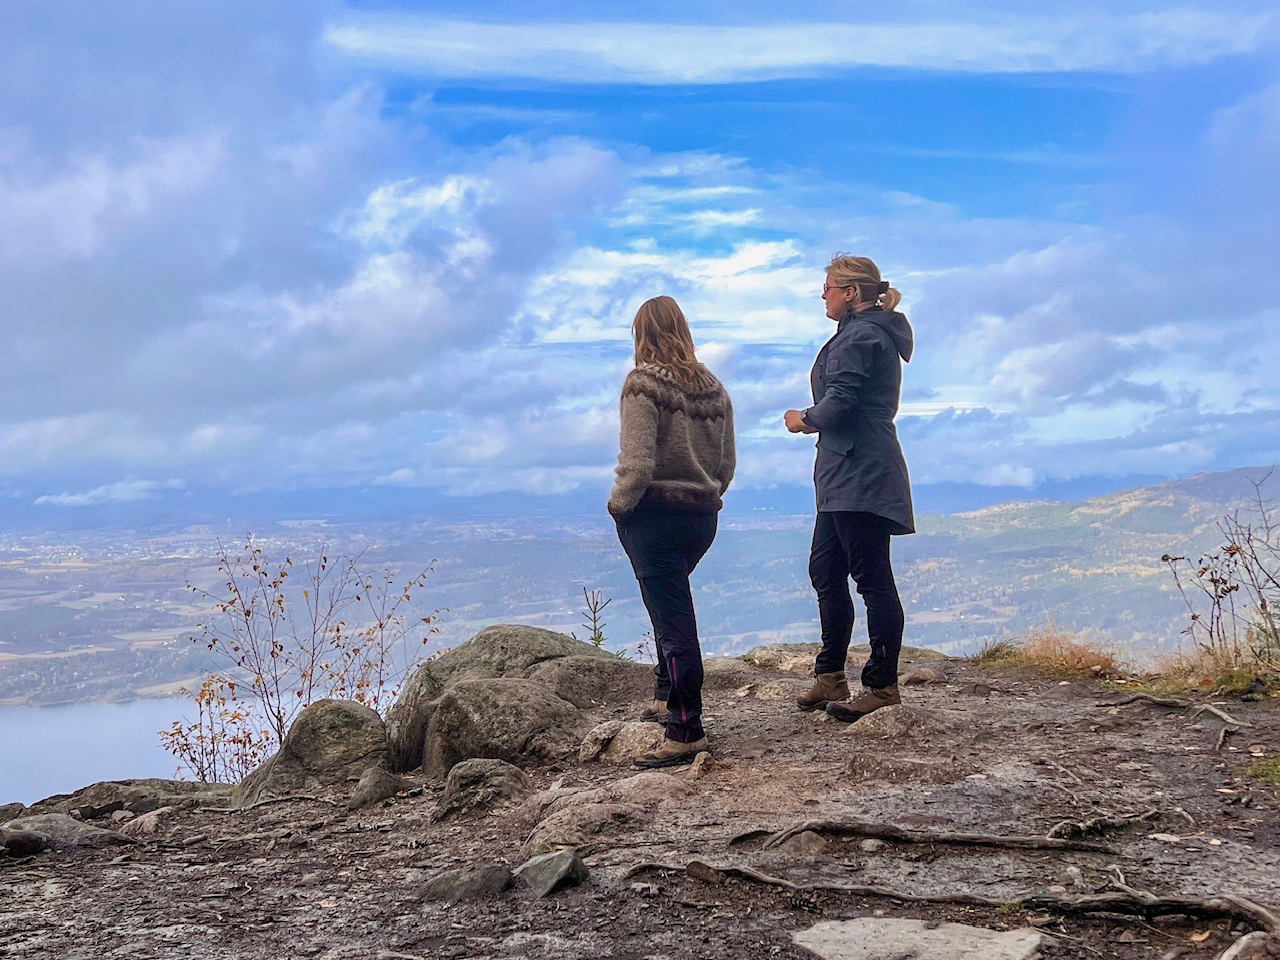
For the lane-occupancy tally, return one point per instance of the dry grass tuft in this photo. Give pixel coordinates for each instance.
(999, 651)
(1212, 670)
(1052, 653)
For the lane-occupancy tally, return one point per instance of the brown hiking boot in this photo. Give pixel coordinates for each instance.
(826, 687)
(869, 701)
(672, 753)
(655, 712)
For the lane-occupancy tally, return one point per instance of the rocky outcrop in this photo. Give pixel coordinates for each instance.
(794, 658)
(577, 827)
(508, 650)
(330, 742)
(570, 670)
(897, 722)
(9, 811)
(63, 832)
(408, 718)
(133, 796)
(519, 721)
(588, 681)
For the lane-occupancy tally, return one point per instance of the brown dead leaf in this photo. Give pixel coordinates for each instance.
(704, 872)
(1201, 937)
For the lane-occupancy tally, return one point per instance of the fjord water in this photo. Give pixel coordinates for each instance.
(50, 750)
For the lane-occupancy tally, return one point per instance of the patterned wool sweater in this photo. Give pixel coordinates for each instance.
(676, 448)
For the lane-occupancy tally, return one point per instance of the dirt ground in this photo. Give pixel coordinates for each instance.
(998, 755)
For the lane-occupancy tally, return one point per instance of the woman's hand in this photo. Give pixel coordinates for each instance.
(794, 419)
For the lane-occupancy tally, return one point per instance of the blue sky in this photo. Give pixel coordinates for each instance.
(307, 246)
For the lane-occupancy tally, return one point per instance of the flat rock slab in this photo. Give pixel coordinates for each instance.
(64, 832)
(884, 938)
(899, 722)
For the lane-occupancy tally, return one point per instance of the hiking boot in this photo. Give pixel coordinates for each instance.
(655, 712)
(672, 753)
(826, 687)
(870, 700)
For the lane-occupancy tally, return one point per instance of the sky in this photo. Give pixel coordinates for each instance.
(311, 246)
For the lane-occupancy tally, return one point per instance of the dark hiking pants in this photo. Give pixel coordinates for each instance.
(664, 546)
(852, 544)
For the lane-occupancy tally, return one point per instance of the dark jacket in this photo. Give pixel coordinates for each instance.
(856, 382)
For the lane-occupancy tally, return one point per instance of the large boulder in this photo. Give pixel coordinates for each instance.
(508, 650)
(475, 881)
(519, 721)
(573, 670)
(479, 784)
(22, 843)
(330, 742)
(408, 718)
(589, 680)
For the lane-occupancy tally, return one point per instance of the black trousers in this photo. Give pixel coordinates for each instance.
(664, 546)
(851, 544)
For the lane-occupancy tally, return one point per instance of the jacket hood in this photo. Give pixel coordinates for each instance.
(896, 326)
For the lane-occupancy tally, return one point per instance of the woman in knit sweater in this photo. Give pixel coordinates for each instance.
(675, 461)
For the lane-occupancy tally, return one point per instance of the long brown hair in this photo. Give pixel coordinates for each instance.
(662, 338)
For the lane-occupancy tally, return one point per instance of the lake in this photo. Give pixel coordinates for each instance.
(49, 750)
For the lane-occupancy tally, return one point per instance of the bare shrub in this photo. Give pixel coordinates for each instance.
(342, 633)
(1232, 593)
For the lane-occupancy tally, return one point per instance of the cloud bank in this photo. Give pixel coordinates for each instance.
(257, 249)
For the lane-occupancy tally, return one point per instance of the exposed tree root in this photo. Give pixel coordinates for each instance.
(263, 803)
(1118, 898)
(1072, 830)
(1225, 718)
(1147, 698)
(886, 831)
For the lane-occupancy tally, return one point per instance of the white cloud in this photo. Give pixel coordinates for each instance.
(676, 53)
(73, 212)
(123, 491)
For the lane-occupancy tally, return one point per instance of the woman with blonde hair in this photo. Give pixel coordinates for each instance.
(860, 476)
(675, 461)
